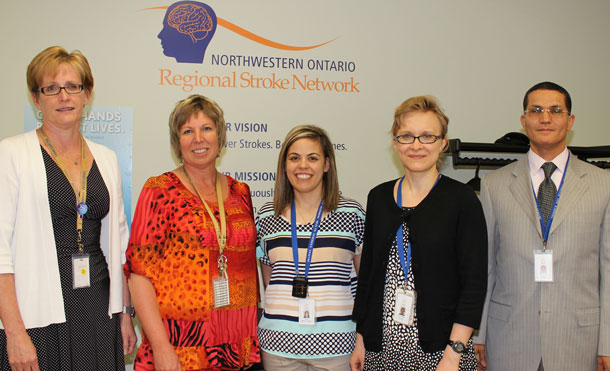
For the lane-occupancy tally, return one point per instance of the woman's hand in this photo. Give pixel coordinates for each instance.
(166, 359)
(450, 360)
(128, 334)
(21, 352)
(356, 363)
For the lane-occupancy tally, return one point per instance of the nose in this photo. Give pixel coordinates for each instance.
(546, 116)
(198, 136)
(63, 94)
(303, 163)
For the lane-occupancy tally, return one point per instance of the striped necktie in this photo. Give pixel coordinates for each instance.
(547, 191)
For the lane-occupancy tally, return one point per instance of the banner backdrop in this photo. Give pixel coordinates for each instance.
(342, 65)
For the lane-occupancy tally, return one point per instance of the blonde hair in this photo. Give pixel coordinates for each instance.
(422, 103)
(283, 193)
(47, 62)
(191, 106)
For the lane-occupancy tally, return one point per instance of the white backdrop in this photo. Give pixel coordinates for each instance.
(477, 56)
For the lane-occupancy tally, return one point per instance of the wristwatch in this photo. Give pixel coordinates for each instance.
(130, 310)
(457, 346)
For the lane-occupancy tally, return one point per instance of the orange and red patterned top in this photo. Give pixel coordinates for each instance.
(173, 243)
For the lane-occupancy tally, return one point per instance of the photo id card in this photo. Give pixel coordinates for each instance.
(404, 309)
(543, 265)
(80, 271)
(221, 292)
(307, 312)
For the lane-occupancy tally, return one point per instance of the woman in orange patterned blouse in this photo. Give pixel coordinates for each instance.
(191, 259)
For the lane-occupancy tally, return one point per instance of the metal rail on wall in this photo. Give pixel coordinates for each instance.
(456, 146)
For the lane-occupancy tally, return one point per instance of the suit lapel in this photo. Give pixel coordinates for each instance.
(573, 188)
(521, 188)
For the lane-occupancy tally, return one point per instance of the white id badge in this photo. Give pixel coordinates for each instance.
(543, 265)
(307, 312)
(80, 271)
(404, 309)
(221, 292)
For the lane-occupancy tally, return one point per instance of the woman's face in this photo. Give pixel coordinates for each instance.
(417, 157)
(199, 141)
(61, 110)
(306, 165)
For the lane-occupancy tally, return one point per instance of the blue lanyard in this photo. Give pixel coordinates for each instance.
(312, 239)
(546, 228)
(399, 242)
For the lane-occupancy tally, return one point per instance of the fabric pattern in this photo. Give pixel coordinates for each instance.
(331, 282)
(173, 243)
(401, 349)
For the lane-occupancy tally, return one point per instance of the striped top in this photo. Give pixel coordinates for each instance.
(331, 279)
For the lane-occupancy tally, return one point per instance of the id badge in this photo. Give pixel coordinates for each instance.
(404, 309)
(307, 312)
(80, 271)
(221, 292)
(543, 265)
(299, 287)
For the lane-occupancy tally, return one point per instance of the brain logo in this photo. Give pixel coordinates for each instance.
(192, 20)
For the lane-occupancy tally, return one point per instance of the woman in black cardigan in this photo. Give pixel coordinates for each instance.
(423, 272)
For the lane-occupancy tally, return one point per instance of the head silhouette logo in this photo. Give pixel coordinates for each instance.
(188, 28)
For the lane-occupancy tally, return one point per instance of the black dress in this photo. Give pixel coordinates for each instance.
(89, 340)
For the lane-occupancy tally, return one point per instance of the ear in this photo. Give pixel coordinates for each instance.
(35, 100)
(87, 96)
(326, 164)
(571, 121)
(523, 122)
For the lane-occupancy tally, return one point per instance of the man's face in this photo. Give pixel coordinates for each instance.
(547, 131)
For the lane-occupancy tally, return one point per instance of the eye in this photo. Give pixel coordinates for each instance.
(186, 131)
(293, 158)
(313, 158)
(51, 89)
(556, 110)
(426, 137)
(207, 128)
(536, 110)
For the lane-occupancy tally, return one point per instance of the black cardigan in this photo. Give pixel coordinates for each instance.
(449, 260)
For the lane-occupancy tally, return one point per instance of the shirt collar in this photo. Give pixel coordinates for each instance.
(536, 162)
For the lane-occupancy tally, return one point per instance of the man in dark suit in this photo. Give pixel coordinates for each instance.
(548, 222)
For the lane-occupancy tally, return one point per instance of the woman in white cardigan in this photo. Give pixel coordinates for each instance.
(63, 233)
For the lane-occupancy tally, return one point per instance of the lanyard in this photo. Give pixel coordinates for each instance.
(221, 232)
(399, 237)
(312, 239)
(546, 228)
(81, 195)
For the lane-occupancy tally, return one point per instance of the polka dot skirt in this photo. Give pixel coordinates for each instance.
(89, 340)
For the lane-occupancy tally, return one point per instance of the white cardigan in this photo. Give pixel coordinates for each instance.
(27, 243)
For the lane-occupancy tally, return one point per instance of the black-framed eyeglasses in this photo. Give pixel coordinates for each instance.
(423, 139)
(539, 111)
(54, 89)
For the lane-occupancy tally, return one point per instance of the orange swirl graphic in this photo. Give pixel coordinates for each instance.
(259, 39)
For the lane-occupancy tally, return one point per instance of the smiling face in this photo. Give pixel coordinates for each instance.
(547, 133)
(62, 110)
(199, 141)
(306, 165)
(417, 157)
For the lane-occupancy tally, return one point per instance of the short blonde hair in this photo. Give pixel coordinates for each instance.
(191, 106)
(283, 193)
(47, 62)
(422, 103)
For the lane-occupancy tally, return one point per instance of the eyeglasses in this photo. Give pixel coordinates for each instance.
(539, 111)
(54, 89)
(423, 139)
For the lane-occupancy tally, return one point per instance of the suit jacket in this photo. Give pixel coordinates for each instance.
(565, 322)
(27, 245)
